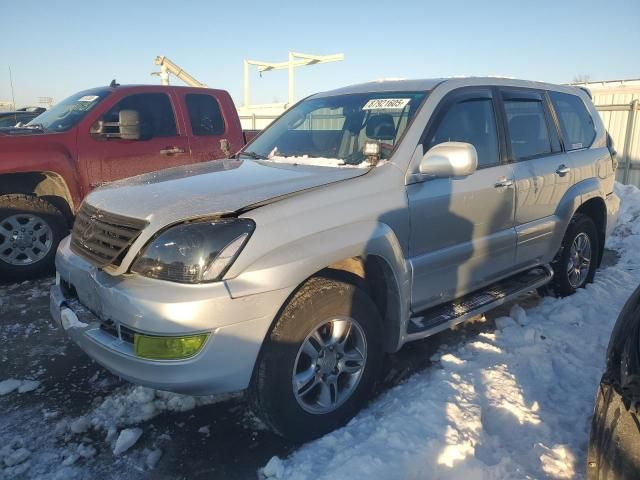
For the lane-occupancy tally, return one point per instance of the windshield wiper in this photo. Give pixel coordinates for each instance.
(35, 126)
(254, 155)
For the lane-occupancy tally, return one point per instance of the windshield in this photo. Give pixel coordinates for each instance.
(66, 114)
(332, 131)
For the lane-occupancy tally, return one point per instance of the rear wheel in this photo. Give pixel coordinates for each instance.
(320, 363)
(576, 262)
(30, 230)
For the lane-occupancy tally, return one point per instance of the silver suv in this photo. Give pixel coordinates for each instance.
(361, 219)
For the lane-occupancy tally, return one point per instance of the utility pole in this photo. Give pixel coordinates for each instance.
(13, 97)
(295, 60)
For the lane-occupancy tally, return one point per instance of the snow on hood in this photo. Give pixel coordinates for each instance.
(316, 161)
(216, 187)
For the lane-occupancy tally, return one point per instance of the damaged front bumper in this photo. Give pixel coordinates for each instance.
(101, 313)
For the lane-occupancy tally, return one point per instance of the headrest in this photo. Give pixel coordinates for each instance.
(381, 127)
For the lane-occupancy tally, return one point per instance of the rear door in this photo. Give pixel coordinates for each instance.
(207, 127)
(542, 171)
(163, 143)
(462, 234)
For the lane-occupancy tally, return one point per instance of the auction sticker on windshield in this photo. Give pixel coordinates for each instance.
(88, 98)
(386, 104)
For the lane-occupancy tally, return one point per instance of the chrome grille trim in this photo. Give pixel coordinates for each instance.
(103, 237)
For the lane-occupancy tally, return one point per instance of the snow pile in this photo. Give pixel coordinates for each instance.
(127, 439)
(514, 403)
(22, 386)
(134, 404)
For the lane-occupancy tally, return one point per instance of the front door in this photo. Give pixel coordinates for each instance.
(462, 231)
(161, 145)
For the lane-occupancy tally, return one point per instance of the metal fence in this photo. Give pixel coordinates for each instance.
(621, 121)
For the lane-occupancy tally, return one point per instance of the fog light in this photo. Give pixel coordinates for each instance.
(168, 348)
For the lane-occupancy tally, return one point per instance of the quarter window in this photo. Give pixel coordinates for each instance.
(575, 122)
(527, 126)
(472, 121)
(156, 114)
(204, 114)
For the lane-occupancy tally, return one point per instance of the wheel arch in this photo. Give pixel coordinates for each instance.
(49, 186)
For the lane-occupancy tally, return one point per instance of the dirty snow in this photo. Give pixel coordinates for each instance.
(20, 386)
(127, 439)
(511, 404)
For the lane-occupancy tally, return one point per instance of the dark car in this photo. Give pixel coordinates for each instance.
(22, 115)
(614, 445)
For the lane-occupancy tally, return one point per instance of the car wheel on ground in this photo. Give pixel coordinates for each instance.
(30, 230)
(320, 362)
(614, 442)
(576, 262)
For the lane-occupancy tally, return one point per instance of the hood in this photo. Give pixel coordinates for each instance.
(216, 187)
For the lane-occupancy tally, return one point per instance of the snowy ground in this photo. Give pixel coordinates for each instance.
(505, 397)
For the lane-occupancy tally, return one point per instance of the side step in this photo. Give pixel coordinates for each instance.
(447, 315)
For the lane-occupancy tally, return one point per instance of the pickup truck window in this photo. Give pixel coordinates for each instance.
(527, 128)
(156, 114)
(204, 115)
(575, 122)
(332, 131)
(472, 121)
(66, 114)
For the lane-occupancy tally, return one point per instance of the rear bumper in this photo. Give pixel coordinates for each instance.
(236, 327)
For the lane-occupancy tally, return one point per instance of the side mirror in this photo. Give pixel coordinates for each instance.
(129, 123)
(449, 159)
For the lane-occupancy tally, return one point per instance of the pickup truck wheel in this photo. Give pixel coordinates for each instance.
(30, 230)
(576, 262)
(320, 362)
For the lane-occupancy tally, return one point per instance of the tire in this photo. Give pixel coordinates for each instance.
(25, 255)
(564, 284)
(318, 409)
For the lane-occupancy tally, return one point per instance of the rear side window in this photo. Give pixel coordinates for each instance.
(471, 121)
(204, 114)
(156, 114)
(527, 127)
(576, 124)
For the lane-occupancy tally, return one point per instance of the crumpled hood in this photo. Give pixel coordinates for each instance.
(216, 187)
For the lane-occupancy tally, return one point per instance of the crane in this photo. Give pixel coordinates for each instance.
(167, 67)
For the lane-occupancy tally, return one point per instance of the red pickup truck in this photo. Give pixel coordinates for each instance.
(93, 137)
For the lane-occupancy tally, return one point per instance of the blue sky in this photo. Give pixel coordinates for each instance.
(57, 48)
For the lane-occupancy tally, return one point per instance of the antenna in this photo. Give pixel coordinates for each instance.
(13, 97)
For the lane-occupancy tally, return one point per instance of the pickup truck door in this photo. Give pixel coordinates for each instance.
(462, 232)
(163, 143)
(207, 127)
(543, 173)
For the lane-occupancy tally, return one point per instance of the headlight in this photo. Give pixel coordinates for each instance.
(194, 252)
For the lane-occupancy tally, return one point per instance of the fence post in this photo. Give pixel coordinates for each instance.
(628, 141)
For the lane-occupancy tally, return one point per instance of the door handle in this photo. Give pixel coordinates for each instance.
(503, 183)
(563, 170)
(172, 151)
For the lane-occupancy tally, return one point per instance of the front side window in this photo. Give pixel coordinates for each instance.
(527, 127)
(155, 113)
(472, 121)
(204, 114)
(576, 124)
(332, 131)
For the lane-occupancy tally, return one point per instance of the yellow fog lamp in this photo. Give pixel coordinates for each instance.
(168, 348)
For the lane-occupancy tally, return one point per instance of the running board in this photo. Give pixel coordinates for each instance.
(441, 317)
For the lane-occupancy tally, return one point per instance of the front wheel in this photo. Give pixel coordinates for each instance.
(30, 230)
(321, 361)
(576, 262)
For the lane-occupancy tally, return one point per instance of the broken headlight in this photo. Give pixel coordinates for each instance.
(194, 252)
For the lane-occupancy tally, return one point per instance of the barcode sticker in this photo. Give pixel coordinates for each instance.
(386, 104)
(88, 98)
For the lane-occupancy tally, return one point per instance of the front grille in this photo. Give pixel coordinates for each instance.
(126, 334)
(102, 237)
